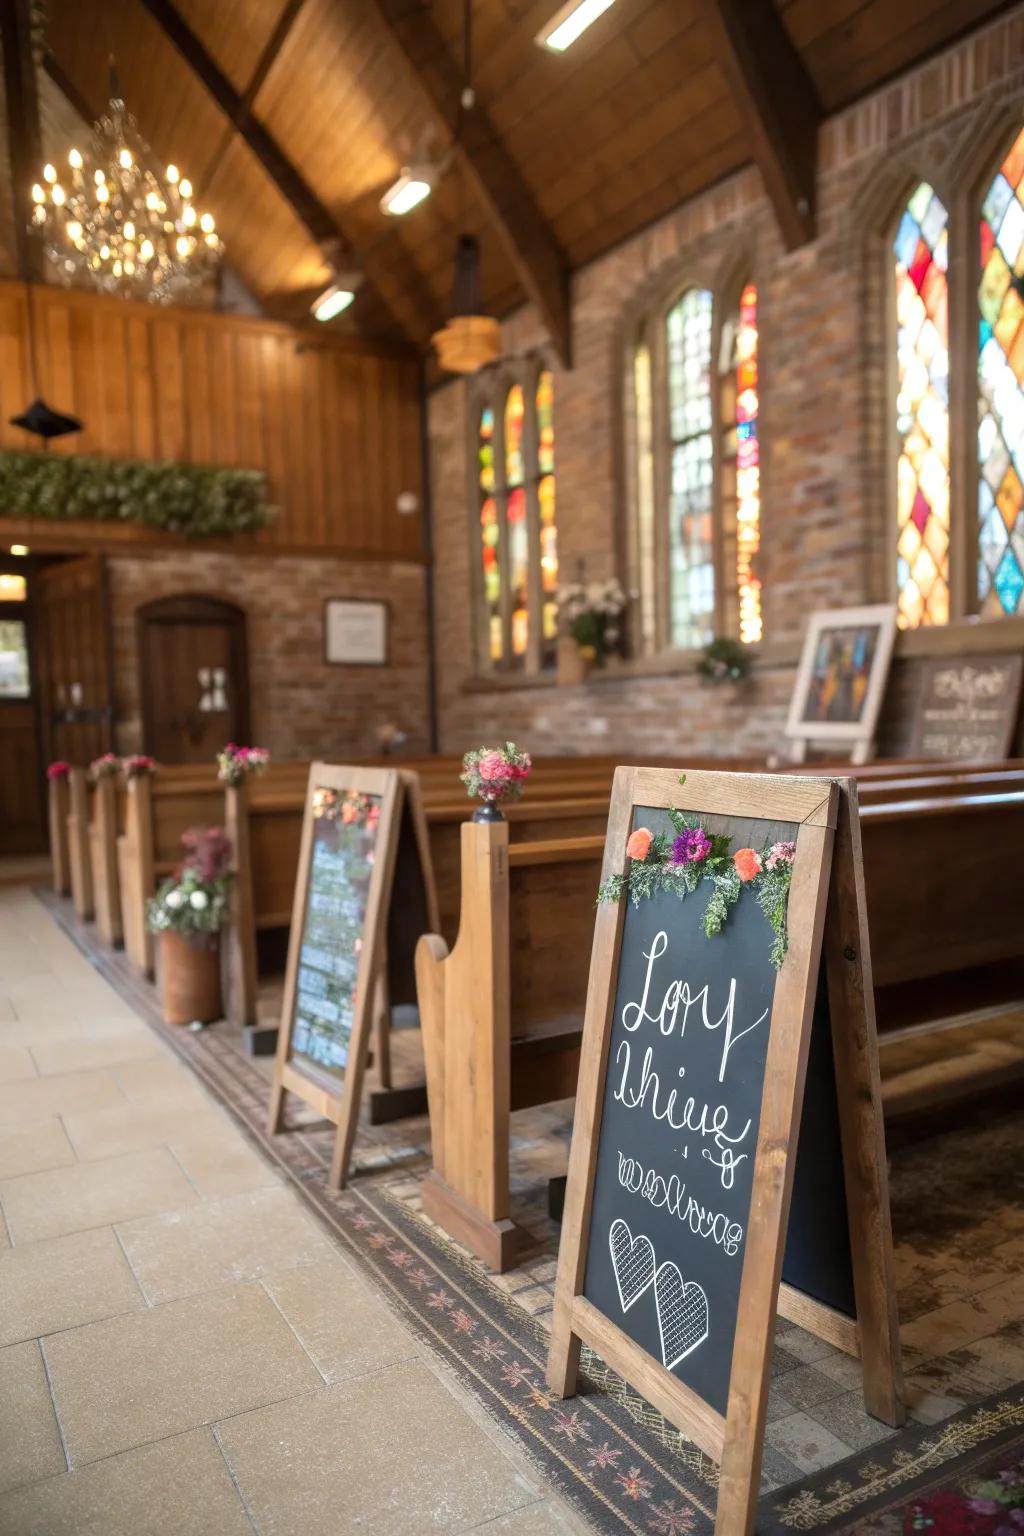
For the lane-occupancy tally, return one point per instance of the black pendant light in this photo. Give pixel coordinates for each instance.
(41, 419)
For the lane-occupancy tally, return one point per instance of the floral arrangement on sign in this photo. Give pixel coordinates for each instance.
(234, 763)
(590, 613)
(495, 773)
(58, 770)
(679, 864)
(103, 767)
(194, 900)
(349, 806)
(138, 765)
(196, 500)
(724, 660)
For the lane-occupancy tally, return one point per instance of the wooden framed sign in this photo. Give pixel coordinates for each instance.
(359, 823)
(968, 707)
(684, 1162)
(355, 632)
(841, 679)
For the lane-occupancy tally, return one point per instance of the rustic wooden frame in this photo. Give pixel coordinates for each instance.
(340, 1107)
(357, 602)
(736, 1439)
(860, 734)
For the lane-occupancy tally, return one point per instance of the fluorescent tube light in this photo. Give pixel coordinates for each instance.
(412, 187)
(332, 302)
(570, 23)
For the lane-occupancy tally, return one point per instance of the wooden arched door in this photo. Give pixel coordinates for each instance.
(193, 677)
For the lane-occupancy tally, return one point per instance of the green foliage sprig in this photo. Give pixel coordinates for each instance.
(195, 500)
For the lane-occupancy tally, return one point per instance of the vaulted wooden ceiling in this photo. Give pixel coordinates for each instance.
(292, 117)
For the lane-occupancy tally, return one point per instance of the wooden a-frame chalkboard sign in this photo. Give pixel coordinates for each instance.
(684, 1172)
(363, 829)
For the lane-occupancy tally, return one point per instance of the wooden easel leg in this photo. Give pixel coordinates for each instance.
(382, 1027)
(563, 1357)
(858, 1091)
(275, 1110)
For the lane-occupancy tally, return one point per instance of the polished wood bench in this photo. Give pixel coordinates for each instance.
(501, 1011)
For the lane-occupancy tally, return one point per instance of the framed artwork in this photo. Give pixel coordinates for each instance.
(841, 678)
(355, 632)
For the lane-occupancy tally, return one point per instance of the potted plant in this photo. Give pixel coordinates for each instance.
(188, 912)
(591, 614)
(723, 660)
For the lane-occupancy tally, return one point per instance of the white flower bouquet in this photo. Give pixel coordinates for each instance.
(194, 900)
(591, 613)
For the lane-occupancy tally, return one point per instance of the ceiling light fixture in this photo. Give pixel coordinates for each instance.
(333, 301)
(413, 186)
(20, 550)
(570, 23)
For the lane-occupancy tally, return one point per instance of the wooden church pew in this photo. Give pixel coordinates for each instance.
(58, 808)
(501, 1011)
(79, 859)
(106, 823)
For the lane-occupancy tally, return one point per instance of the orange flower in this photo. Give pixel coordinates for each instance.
(639, 844)
(747, 862)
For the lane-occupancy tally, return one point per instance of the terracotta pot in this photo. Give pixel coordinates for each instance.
(190, 979)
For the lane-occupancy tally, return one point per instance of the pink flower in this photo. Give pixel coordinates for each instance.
(639, 844)
(494, 769)
(58, 770)
(780, 853)
(747, 862)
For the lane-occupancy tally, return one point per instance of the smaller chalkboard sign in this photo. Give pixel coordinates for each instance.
(967, 707)
(355, 821)
(707, 1010)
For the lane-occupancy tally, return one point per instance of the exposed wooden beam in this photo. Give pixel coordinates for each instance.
(24, 140)
(410, 304)
(781, 111)
(69, 90)
(493, 173)
(269, 52)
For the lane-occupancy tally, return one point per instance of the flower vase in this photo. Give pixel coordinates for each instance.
(573, 665)
(190, 979)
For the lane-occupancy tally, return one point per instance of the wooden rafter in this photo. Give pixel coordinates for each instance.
(773, 90)
(410, 304)
(271, 48)
(491, 170)
(24, 139)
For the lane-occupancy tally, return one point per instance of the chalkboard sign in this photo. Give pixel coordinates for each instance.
(355, 821)
(967, 707)
(684, 1153)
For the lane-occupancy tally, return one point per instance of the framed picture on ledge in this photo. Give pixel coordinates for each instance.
(355, 632)
(841, 679)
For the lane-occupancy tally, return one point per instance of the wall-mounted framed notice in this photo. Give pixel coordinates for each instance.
(841, 679)
(967, 707)
(360, 825)
(355, 632)
(702, 1198)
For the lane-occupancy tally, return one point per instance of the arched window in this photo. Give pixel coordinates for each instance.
(515, 459)
(694, 483)
(1000, 567)
(922, 411)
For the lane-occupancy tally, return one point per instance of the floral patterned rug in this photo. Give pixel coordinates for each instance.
(607, 1451)
(961, 1478)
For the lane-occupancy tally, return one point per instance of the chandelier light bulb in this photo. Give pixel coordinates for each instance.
(99, 178)
(146, 250)
(129, 267)
(129, 230)
(104, 253)
(172, 174)
(152, 201)
(102, 193)
(206, 223)
(49, 174)
(74, 231)
(188, 217)
(38, 195)
(58, 194)
(211, 240)
(183, 245)
(75, 160)
(117, 269)
(185, 188)
(125, 159)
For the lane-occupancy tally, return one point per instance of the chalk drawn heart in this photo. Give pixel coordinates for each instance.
(682, 1314)
(633, 1262)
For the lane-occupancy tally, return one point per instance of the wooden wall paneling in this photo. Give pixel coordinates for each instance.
(196, 375)
(169, 390)
(53, 332)
(343, 440)
(272, 353)
(225, 393)
(14, 372)
(378, 472)
(312, 409)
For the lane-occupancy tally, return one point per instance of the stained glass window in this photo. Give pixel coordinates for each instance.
(922, 411)
(691, 537)
(490, 535)
(545, 400)
(518, 532)
(741, 466)
(1001, 391)
(646, 533)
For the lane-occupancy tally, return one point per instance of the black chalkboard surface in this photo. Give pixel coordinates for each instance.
(679, 1122)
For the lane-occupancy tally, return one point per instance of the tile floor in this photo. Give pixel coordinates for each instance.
(183, 1349)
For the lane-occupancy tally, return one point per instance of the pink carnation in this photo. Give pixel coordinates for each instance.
(493, 767)
(780, 853)
(58, 770)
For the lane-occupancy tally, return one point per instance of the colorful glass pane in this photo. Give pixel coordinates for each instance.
(518, 545)
(748, 470)
(514, 412)
(544, 400)
(922, 411)
(490, 554)
(1001, 390)
(691, 543)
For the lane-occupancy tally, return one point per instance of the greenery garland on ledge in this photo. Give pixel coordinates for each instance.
(190, 499)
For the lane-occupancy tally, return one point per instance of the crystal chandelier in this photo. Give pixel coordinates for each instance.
(117, 222)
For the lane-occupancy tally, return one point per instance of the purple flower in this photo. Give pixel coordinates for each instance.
(691, 846)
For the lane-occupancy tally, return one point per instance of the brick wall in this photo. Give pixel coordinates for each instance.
(300, 706)
(824, 415)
